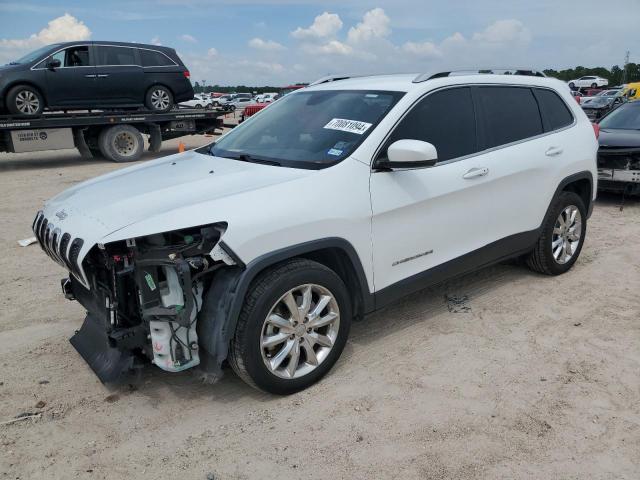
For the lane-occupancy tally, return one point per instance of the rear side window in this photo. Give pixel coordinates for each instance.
(445, 119)
(554, 111)
(115, 56)
(152, 58)
(510, 114)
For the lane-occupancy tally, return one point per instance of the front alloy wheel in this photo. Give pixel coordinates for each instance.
(292, 328)
(300, 331)
(27, 102)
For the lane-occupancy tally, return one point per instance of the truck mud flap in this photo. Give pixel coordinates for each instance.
(110, 364)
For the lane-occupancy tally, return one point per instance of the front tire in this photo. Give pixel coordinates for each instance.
(562, 236)
(24, 100)
(594, 85)
(292, 328)
(159, 99)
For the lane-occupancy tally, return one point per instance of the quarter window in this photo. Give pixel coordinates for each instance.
(554, 111)
(115, 56)
(510, 114)
(152, 58)
(445, 119)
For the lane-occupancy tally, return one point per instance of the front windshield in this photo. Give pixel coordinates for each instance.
(626, 116)
(35, 55)
(308, 129)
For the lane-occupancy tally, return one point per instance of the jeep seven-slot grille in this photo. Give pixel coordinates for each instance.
(56, 244)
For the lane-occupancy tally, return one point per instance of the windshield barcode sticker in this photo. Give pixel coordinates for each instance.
(351, 126)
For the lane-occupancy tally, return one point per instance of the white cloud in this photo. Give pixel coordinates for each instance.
(375, 24)
(156, 40)
(324, 25)
(212, 52)
(188, 38)
(66, 28)
(334, 47)
(504, 32)
(423, 49)
(265, 45)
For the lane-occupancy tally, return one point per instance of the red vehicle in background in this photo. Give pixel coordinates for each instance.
(250, 110)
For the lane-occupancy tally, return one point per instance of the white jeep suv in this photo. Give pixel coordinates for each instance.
(338, 199)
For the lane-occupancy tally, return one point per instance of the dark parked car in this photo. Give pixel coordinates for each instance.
(94, 75)
(619, 152)
(598, 106)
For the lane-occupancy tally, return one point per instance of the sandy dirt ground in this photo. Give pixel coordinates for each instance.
(536, 378)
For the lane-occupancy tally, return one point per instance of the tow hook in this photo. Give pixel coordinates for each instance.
(65, 283)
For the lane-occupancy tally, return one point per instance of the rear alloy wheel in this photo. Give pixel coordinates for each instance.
(562, 236)
(567, 234)
(292, 328)
(24, 100)
(121, 143)
(159, 99)
(572, 86)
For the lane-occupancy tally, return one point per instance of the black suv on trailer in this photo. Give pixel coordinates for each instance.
(79, 75)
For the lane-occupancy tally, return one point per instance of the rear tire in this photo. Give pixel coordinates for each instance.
(305, 352)
(562, 237)
(24, 100)
(572, 86)
(121, 143)
(159, 99)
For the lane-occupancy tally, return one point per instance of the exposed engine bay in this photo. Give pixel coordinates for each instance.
(144, 298)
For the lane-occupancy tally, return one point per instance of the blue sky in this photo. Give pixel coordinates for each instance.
(277, 42)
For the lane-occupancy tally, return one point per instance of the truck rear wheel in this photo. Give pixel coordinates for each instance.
(121, 143)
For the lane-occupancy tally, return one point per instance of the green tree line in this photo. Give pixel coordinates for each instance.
(615, 75)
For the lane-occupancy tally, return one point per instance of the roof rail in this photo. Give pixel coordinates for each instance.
(333, 78)
(529, 72)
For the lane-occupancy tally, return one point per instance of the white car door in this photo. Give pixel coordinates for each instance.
(472, 198)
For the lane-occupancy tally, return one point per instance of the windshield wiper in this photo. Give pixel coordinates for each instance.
(13, 63)
(243, 157)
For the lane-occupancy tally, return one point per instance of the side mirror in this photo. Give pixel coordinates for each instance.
(53, 64)
(410, 154)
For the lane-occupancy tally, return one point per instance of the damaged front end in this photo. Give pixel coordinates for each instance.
(619, 169)
(143, 297)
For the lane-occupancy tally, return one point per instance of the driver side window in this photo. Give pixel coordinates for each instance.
(73, 57)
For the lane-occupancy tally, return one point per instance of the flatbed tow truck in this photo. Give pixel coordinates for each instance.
(114, 135)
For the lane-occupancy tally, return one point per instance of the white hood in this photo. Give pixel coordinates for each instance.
(94, 210)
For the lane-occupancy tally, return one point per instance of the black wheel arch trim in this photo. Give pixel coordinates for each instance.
(259, 264)
(583, 175)
(225, 298)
